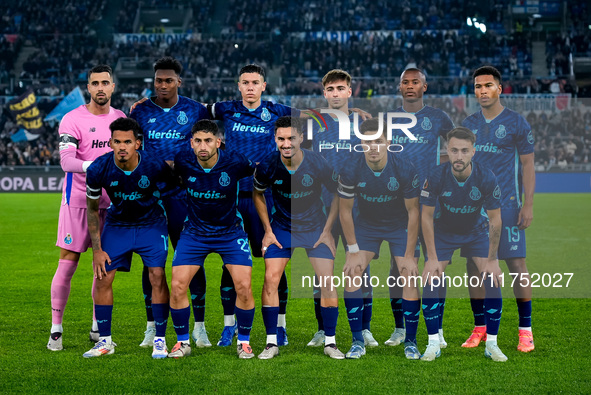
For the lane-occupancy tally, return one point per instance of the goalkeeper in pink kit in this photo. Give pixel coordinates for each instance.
(83, 136)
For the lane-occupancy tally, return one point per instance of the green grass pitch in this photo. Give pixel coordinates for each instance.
(558, 241)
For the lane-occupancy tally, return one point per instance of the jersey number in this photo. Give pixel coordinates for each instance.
(165, 238)
(512, 234)
(243, 243)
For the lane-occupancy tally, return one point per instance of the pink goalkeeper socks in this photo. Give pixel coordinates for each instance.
(60, 289)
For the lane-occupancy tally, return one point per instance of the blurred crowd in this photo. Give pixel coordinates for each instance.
(67, 41)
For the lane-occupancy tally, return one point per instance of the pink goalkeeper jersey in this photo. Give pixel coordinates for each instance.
(91, 136)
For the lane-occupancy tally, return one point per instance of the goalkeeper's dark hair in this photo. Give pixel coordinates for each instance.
(101, 68)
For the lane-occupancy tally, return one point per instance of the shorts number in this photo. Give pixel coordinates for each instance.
(165, 238)
(243, 243)
(512, 234)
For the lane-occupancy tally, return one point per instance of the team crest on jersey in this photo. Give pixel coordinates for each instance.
(182, 119)
(307, 181)
(143, 182)
(497, 192)
(530, 137)
(393, 184)
(224, 179)
(501, 132)
(426, 124)
(475, 194)
(475, 131)
(68, 239)
(415, 181)
(92, 130)
(265, 115)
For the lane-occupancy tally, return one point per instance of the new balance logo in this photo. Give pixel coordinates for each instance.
(278, 182)
(114, 183)
(513, 248)
(446, 194)
(236, 115)
(152, 120)
(192, 179)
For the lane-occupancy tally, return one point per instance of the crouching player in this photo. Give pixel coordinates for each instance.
(136, 222)
(382, 183)
(211, 176)
(464, 190)
(296, 177)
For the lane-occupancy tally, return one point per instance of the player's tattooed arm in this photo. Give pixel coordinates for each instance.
(99, 257)
(526, 214)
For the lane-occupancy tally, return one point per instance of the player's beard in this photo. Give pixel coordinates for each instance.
(101, 101)
(463, 168)
(205, 159)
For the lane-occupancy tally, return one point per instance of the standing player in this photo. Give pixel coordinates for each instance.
(136, 222)
(211, 179)
(166, 122)
(84, 136)
(464, 190)
(425, 153)
(505, 144)
(248, 125)
(296, 178)
(337, 91)
(382, 182)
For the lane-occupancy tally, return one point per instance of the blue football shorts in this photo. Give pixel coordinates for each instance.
(371, 238)
(470, 245)
(150, 242)
(512, 243)
(291, 240)
(252, 223)
(233, 247)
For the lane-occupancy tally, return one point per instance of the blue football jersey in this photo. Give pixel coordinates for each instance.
(297, 197)
(499, 143)
(431, 130)
(212, 194)
(135, 195)
(462, 205)
(380, 195)
(167, 131)
(251, 133)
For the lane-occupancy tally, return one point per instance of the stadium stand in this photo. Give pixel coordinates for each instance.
(48, 46)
